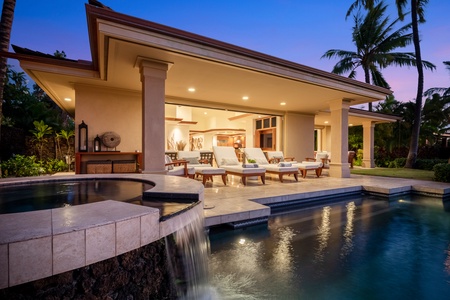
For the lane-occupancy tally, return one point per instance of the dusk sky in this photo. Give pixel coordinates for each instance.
(299, 31)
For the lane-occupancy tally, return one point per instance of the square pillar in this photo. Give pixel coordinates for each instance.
(339, 166)
(368, 144)
(153, 77)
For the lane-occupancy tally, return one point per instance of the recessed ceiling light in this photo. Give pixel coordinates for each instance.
(245, 98)
(283, 103)
(67, 99)
(205, 113)
(326, 122)
(191, 89)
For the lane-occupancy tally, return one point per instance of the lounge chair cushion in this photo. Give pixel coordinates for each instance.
(209, 171)
(276, 168)
(308, 165)
(240, 170)
(285, 164)
(261, 161)
(232, 161)
(259, 157)
(191, 160)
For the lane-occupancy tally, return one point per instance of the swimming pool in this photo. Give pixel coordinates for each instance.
(361, 248)
(54, 194)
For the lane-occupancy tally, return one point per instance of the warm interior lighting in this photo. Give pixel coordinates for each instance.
(67, 99)
(191, 89)
(245, 98)
(205, 113)
(326, 122)
(350, 124)
(283, 103)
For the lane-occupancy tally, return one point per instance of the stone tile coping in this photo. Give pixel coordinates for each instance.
(39, 244)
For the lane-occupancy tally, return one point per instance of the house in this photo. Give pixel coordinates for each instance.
(147, 81)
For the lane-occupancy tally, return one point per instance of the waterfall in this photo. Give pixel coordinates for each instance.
(187, 252)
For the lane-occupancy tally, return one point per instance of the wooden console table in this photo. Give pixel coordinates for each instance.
(81, 158)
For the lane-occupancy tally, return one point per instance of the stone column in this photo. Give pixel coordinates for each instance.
(153, 77)
(368, 144)
(339, 166)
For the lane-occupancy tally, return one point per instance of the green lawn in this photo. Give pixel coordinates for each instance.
(399, 173)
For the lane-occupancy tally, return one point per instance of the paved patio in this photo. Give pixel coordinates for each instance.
(236, 202)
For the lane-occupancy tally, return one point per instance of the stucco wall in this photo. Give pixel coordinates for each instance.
(326, 139)
(298, 136)
(110, 110)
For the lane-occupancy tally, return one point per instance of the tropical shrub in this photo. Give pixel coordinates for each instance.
(54, 165)
(442, 172)
(428, 164)
(21, 166)
(397, 162)
(358, 157)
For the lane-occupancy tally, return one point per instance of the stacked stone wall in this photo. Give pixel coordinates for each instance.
(139, 274)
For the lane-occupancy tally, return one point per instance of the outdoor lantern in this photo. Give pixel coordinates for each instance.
(97, 144)
(82, 137)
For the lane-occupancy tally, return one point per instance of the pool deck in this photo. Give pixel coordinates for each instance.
(236, 202)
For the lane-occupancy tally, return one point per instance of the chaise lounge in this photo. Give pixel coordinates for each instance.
(303, 167)
(178, 167)
(226, 159)
(202, 166)
(278, 168)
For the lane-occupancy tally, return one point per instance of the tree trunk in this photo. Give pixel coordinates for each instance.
(367, 79)
(5, 36)
(414, 143)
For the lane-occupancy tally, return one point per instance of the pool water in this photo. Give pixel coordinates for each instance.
(360, 248)
(54, 194)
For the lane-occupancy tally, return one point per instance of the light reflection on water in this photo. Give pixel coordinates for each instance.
(323, 234)
(348, 232)
(347, 250)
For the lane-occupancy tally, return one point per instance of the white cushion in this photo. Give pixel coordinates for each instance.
(210, 170)
(240, 170)
(261, 161)
(276, 168)
(308, 165)
(191, 160)
(285, 164)
(232, 161)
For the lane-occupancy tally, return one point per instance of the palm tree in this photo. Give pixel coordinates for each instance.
(5, 36)
(417, 16)
(444, 92)
(375, 39)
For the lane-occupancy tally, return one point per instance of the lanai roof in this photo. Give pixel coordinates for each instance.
(220, 72)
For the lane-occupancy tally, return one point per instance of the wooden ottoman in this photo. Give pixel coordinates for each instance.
(209, 172)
